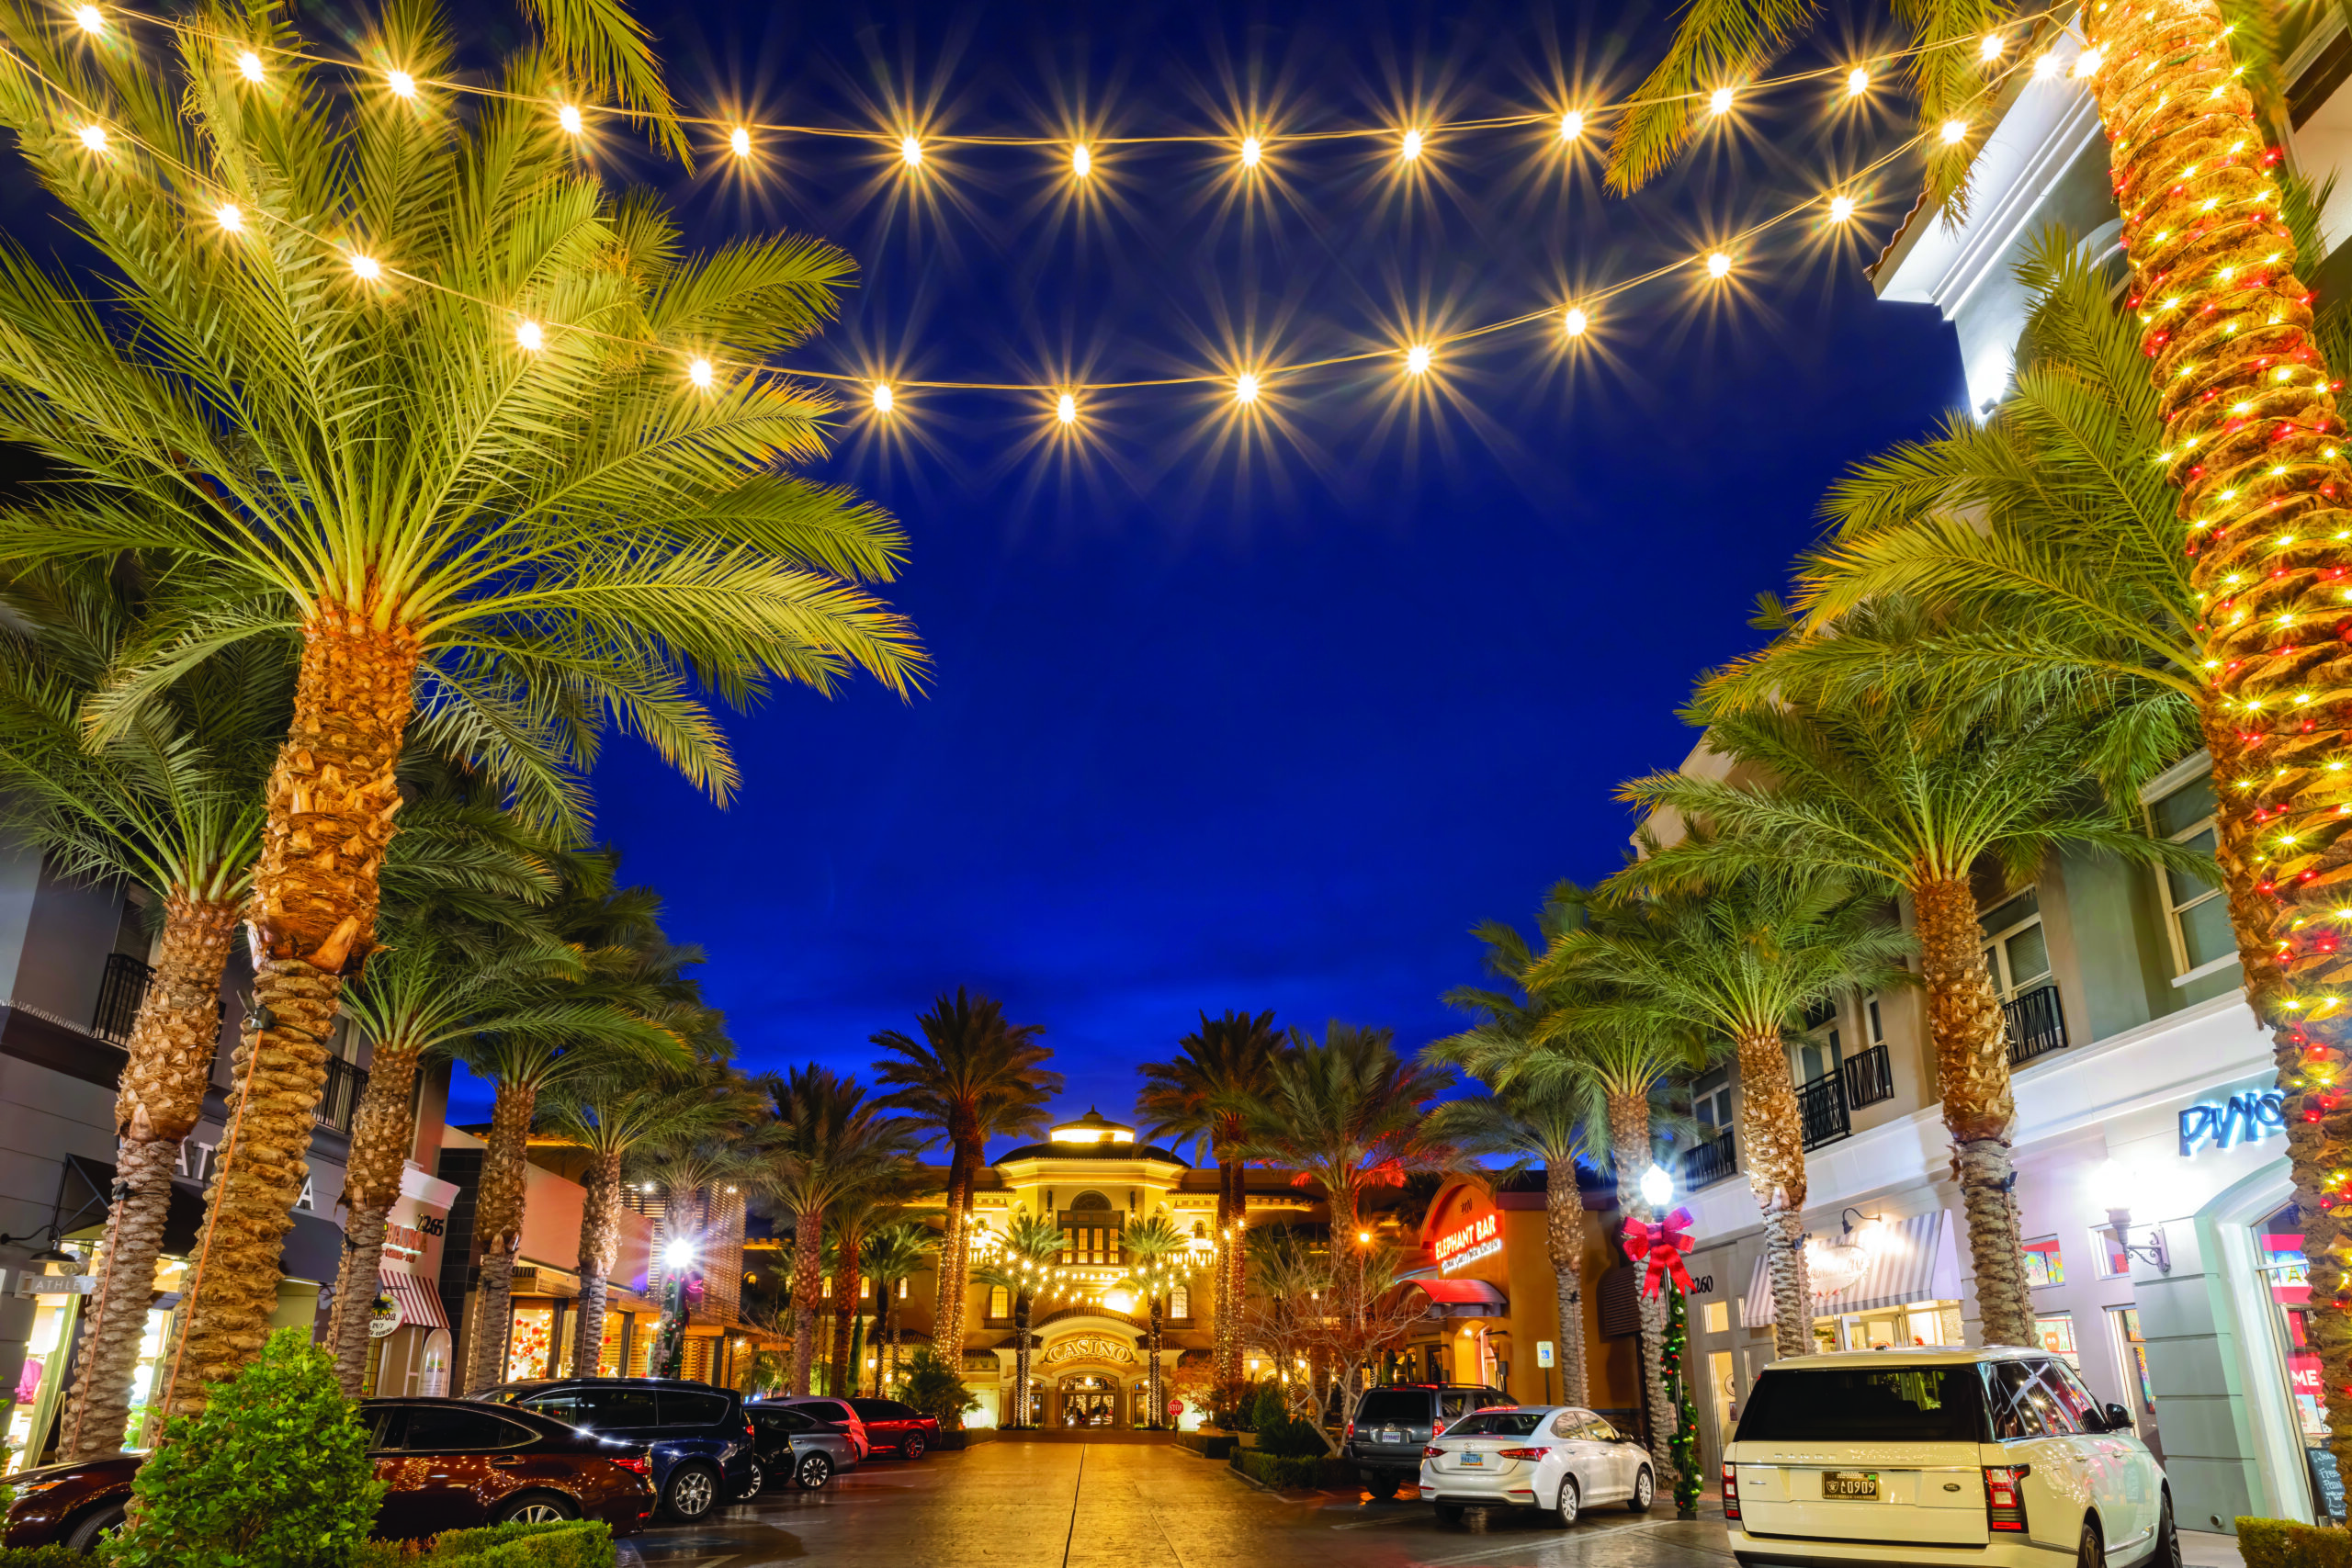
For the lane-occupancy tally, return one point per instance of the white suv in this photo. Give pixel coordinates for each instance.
(1903, 1456)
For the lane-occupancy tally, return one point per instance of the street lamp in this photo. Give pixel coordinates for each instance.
(1658, 1187)
(2116, 1184)
(679, 1254)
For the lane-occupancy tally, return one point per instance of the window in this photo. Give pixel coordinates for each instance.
(679, 1408)
(2197, 916)
(2076, 1400)
(1818, 1052)
(2016, 947)
(903, 1289)
(2131, 1352)
(2114, 1263)
(1717, 1315)
(1918, 1405)
(441, 1428)
(1878, 1029)
(384, 1426)
(2042, 1264)
(2054, 1332)
(1498, 1423)
(597, 1409)
(1711, 1103)
(1179, 1302)
(999, 1301)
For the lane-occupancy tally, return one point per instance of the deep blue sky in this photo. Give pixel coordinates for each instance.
(1275, 731)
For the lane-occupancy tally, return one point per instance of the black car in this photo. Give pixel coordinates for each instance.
(703, 1444)
(1392, 1425)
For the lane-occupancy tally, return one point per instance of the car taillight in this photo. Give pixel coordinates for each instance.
(640, 1463)
(750, 1436)
(2005, 1498)
(1431, 1451)
(1731, 1491)
(1437, 1429)
(1522, 1453)
(1351, 1430)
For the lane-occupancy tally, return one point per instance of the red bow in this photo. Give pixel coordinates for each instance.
(1661, 1246)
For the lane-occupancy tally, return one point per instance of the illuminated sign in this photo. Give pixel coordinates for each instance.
(1479, 1234)
(2245, 1118)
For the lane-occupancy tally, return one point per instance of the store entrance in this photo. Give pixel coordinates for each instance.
(2287, 1273)
(1089, 1402)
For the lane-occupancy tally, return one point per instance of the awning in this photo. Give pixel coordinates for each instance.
(312, 1249)
(414, 1301)
(1914, 1260)
(1461, 1298)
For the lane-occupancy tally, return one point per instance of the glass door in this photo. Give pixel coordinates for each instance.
(2279, 1255)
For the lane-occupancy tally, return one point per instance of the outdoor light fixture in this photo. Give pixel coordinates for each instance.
(1954, 132)
(1571, 126)
(569, 118)
(229, 216)
(700, 374)
(402, 85)
(1066, 409)
(1657, 1186)
(1245, 388)
(883, 401)
(1719, 264)
(1081, 162)
(1575, 322)
(1417, 359)
(1719, 101)
(679, 1254)
(367, 267)
(2116, 1183)
(910, 151)
(528, 335)
(1841, 208)
(90, 18)
(1858, 82)
(249, 65)
(94, 137)
(1412, 146)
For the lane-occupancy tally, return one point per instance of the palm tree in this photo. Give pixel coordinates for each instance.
(895, 1253)
(613, 1116)
(1023, 1262)
(1742, 959)
(1204, 1094)
(972, 1078)
(1156, 1251)
(692, 1172)
(826, 1144)
(532, 544)
(1347, 1112)
(879, 1201)
(1899, 797)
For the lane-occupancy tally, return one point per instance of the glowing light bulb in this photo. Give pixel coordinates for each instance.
(1245, 388)
(1081, 162)
(700, 374)
(249, 66)
(231, 216)
(1954, 131)
(1575, 322)
(1718, 264)
(1991, 48)
(2049, 65)
(1066, 409)
(1411, 147)
(910, 152)
(402, 85)
(90, 18)
(94, 137)
(1841, 207)
(1571, 126)
(1252, 150)
(739, 141)
(1719, 101)
(367, 266)
(883, 401)
(1417, 359)
(569, 118)
(2086, 63)
(528, 335)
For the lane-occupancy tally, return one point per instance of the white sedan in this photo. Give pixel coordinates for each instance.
(1554, 1457)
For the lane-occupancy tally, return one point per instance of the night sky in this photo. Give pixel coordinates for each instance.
(1267, 716)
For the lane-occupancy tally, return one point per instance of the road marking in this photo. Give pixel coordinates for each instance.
(1375, 1524)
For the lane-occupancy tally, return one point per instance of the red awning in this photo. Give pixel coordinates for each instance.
(1459, 1290)
(418, 1302)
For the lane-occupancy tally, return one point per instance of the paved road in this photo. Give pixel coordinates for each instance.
(1026, 1504)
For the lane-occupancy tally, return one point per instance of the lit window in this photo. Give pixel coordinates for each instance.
(903, 1289)
(1179, 1303)
(999, 1301)
(2016, 947)
(825, 1286)
(2197, 916)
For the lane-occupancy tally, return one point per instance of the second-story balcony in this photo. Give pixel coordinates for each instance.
(339, 1098)
(121, 990)
(2037, 1024)
(1713, 1161)
(1870, 1078)
(1821, 1107)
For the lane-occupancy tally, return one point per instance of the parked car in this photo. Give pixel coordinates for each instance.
(704, 1453)
(1393, 1423)
(837, 1415)
(1908, 1456)
(446, 1464)
(793, 1443)
(1558, 1458)
(891, 1426)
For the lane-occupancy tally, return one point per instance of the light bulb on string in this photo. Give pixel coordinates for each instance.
(1409, 148)
(1081, 162)
(1857, 82)
(1719, 102)
(1990, 50)
(1417, 359)
(700, 373)
(569, 118)
(1253, 151)
(2047, 66)
(1718, 264)
(1841, 208)
(231, 218)
(1571, 126)
(527, 333)
(1066, 409)
(2086, 63)
(1954, 131)
(884, 401)
(94, 137)
(249, 66)
(90, 19)
(1575, 322)
(367, 266)
(1245, 388)
(910, 151)
(739, 141)
(402, 85)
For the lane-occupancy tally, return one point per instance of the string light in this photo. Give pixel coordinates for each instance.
(1066, 409)
(1954, 131)
(1841, 208)
(94, 137)
(2086, 63)
(1857, 82)
(2049, 65)
(1411, 147)
(1245, 388)
(1575, 322)
(910, 152)
(1719, 102)
(569, 118)
(528, 335)
(1081, 162)
(1571, 126)
(739, 141)
(249, 66)
(90, 19)
(367, 266)
(1718, 264)
(1417, 359)
(700, 373)
(231, 216)
(883, 401)
(402, 85)
(1252, 150)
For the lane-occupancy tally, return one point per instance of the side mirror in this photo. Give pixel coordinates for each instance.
(2118, 1419)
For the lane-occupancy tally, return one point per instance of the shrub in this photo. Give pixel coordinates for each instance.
(273, 1475)
(1270, 1408)
(2283, 1544)
(41, 1557)
(573, 1543)
(1230, 1404)
(1270, 1470)
(932, 1384)
(1293, 1438)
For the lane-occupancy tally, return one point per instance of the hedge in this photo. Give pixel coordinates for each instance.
(1270, 1470)
(41, 1557)
(570, 1543)
(2283, 1544)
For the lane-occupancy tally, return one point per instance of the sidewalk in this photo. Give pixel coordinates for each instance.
(2206, 1549)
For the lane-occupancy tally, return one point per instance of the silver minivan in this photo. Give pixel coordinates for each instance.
(793, 1442)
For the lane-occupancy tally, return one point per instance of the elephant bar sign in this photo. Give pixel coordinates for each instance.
(1473, 1232)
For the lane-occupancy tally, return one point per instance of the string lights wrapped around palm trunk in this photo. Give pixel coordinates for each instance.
(1251, 147)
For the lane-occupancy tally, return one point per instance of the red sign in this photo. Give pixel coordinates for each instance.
(1466, 1238)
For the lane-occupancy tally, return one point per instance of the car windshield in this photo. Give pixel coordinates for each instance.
(1496, 1424)
(1394, 1407)
(1829, 1405)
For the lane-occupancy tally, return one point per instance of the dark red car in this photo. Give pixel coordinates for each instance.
(446, 1464)
(894, 1427)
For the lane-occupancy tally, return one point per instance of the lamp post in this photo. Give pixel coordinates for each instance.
(670, 1343)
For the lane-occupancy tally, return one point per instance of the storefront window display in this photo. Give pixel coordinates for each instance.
(41, 1384)
(526, 1347)
(2278, 1254)
(1897, 1328)
(2132, 1350)
(2043, 1263)
(2054, 1332)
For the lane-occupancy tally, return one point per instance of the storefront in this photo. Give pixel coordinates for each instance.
(410, 1347)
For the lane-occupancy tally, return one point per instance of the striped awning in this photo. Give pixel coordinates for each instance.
(1915, 1261)
(418, 1304)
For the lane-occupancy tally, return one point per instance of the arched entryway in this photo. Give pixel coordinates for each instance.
(1089, 1400)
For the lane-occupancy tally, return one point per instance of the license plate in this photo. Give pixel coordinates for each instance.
(1391, 1435)
(1850, 1484)
(1474, 1462)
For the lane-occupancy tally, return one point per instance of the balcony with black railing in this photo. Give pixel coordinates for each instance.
(121, 990)
(1870, 1078)
(1821, 1109)
(339, 1101)
(1713, 1161)
(2037, 1024)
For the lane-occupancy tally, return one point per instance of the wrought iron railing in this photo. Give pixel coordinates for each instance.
(121, 990)
(1869, 1079)
(1713, 1161)
(2037, 1024)
(339, 1101)
(1820, 1108)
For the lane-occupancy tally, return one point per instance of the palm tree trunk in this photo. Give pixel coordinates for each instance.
(382, 1132)
(1971, 1045)
(1773, 1131)
(846, 1305)
(1235, 1262)
(1151, 1384)
(498, 1226)
(330, 801)
(2256, 451)
(1021, 1412)
(1225, 1331)
(600, 1250)
(947, 1316)
(1563, 1244)
(807, 1273)
(1629, 1153)
(172, 1045)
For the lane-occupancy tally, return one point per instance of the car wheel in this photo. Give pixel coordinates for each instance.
(93, 1526)
(2167, 1553)
(754, 1482)
(535, 1508)
(694, 1490)
(1571, 1501)
(1449, 1513)
(2090, 1551)
(812, 1472)
(912, 1447)
(1644, 1489)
